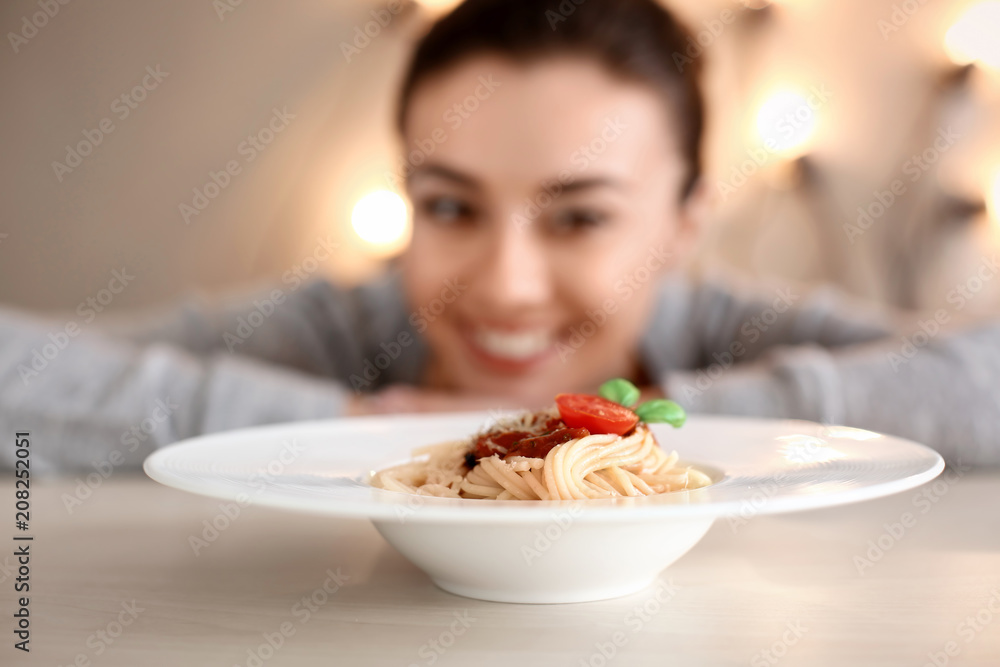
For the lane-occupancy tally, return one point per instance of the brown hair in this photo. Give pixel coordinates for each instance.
(636, 39)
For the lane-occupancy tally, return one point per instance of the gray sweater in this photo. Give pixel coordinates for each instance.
(93, 389)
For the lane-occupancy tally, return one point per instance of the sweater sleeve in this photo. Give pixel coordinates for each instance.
(100, 401)
(926, 380)
(115, 389)
(288, 326)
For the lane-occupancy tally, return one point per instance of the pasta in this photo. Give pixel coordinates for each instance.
(535, 457)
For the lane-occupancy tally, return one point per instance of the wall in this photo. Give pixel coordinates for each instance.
(64, 232)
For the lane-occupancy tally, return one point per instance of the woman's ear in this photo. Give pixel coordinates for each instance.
(694, 209)
(691, 217)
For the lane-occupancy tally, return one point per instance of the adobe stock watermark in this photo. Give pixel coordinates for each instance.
(264, 307)
(363, 35)
(249, 149)
(966, 631)
(893, 532)
(230, 511)
(130, 441)
(914, 168)
(301, 613)
(580, 159)
(455, 116)
(751, 330)
(562, 12)
(752, 506)
(784, 131)
(7, 569)
(102, 639)
(122, 107)
(958, 297)
(419, 319)
(30, 25)
(545, 537)
(414, 502)
(625, 287)
(432, 650)
(772, 655)
(59, 340)
(635, 622)
(225, 7)
(899, 16)
(796, 449)
(498, 417)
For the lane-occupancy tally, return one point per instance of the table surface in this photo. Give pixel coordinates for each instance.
(116, 581)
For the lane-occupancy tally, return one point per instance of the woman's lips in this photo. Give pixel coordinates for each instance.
(512, 345)
(510, 349)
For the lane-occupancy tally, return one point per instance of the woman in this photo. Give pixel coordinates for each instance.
(553, 165)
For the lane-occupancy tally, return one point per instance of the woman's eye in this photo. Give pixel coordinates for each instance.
(447, 210)
(573, 220)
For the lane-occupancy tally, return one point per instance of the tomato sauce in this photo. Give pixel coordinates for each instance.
(541, 445)
(534, 444)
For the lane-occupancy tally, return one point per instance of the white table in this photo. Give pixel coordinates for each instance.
(787, 584)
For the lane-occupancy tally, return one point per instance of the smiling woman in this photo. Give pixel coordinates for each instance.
(573, 162)
(526, 287)
(553, 175)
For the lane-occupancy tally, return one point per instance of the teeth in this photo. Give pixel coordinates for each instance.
(514, 346)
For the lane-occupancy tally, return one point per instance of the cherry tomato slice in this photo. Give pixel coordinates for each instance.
(596, 414)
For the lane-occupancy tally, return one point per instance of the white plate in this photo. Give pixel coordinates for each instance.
(544, 551)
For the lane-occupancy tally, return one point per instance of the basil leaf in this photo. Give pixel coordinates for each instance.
(620, 391)
(661, 410)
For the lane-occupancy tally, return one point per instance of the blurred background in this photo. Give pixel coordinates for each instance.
(202, 146)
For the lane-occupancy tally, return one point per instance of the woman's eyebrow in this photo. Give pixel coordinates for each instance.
(589, 183)
(439, 171)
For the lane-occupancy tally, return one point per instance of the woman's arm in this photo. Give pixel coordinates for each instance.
(131, 386)
(291, 327)
(930, 381)
(100, 401)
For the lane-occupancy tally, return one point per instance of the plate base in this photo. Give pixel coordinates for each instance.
(545, 597)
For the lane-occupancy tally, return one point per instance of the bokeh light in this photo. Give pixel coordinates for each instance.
(380, 218)
(786, 122)
(438, 6)
(975, 37)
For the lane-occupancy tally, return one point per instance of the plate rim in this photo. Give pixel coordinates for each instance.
(390, 505)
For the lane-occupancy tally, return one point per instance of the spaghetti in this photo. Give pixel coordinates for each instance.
(538, 456)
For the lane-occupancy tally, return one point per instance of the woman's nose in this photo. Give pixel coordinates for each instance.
(515, 273)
